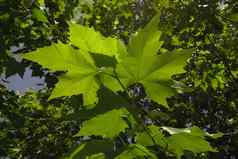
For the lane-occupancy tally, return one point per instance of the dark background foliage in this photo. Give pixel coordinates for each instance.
(33, 128)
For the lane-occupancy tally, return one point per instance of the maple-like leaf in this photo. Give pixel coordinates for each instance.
(144, 65)
(79, 66)
(178, 143)
(188, 139)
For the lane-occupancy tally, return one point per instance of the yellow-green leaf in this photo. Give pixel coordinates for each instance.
(107, 125)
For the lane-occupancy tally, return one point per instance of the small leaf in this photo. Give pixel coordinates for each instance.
(107, 125)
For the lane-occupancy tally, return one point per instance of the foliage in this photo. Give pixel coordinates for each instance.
(210, 101)
(27, 25)
(82, 72)
(30, 125)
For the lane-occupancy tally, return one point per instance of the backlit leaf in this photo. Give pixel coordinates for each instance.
(178, 143)
(90, 40)
(107, 125)
(144, 65)
(80, 67)
(189, 139)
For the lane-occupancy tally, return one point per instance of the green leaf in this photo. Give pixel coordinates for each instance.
(146, 41)
(91, 149)
(108, 80)
(144, 65)
(89, 40)
(107, 125)
(39, 15)
(190, 139)
(81, 70)
(104, 61)
(178, 143)
(108, 100)
(152, 136)
(77, 83)
(134, 151)
(65, 58)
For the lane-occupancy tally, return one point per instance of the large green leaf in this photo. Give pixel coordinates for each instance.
(189, 139)
(134, 151)
(178, 143)
(144, 65)
(80, 67)
(107, 125)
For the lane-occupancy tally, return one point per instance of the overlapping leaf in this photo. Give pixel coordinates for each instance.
(190, 139)
(89, 40)
(80, 66)
(107, 125)
(178, 143)
(144, 65)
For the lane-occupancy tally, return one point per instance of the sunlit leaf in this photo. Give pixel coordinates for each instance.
(107, 125)
(144, 65)
(80, 67)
